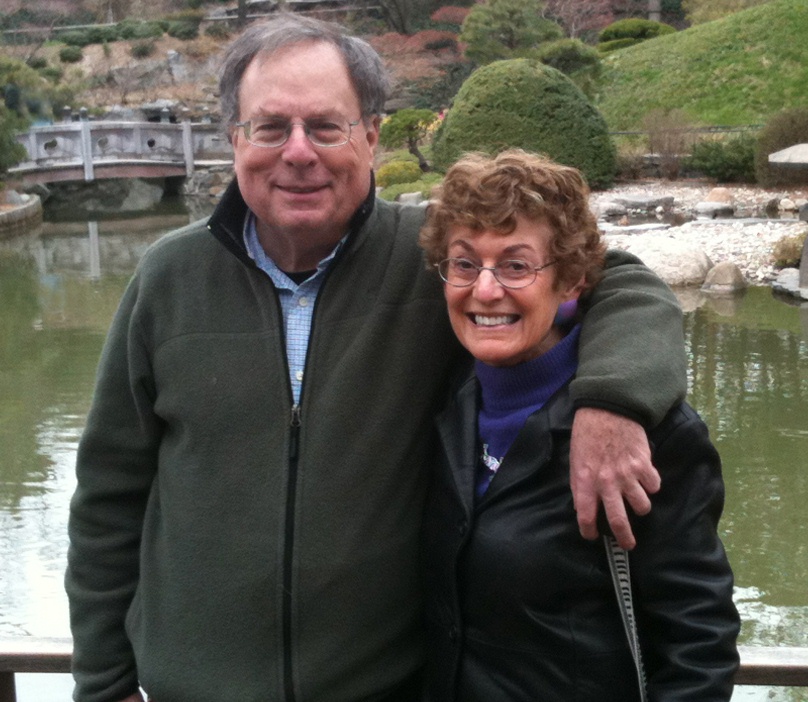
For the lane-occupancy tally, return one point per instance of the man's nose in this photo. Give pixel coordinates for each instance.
(298, 148)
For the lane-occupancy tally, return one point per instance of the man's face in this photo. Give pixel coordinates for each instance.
(298, 189)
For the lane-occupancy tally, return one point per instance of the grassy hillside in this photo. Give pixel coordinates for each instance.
(737, 70)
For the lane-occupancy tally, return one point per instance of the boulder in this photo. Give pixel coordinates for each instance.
(788, 282)
(788, 205)
(714, 209)
(646, 202)
(608, 208)
(720, 195)
(677, 263)
(724, 278)
(804, 213)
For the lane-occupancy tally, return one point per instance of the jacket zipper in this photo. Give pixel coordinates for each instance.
(291, 489)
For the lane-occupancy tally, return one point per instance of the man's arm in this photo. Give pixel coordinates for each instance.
(115, 467)
(632, 369)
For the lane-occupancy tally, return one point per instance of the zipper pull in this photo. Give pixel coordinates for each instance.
(295, 433)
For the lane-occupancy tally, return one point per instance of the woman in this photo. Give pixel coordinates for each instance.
(520, 607)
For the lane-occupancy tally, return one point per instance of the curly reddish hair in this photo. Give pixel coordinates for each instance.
(489, 192)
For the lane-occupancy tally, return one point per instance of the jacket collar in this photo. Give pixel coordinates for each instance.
(531, 450)
(227, 221)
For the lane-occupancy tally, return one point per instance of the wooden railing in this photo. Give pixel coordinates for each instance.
(776, 666)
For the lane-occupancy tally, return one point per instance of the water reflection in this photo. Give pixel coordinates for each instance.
(60, 285)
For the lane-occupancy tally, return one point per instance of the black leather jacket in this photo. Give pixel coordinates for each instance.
(520, 607)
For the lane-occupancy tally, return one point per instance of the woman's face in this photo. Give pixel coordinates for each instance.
(503, 326)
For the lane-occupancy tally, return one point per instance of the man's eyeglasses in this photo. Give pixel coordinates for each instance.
(514, 274)
(269, 132)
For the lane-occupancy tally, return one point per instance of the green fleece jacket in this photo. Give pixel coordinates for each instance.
(227, 546)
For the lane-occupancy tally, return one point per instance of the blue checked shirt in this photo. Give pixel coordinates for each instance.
(297, 302)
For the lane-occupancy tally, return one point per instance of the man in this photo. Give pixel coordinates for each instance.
(251, 477)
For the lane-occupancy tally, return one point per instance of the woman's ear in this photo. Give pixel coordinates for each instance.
(573, 290)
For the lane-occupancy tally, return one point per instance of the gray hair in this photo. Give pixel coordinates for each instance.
(365, 68)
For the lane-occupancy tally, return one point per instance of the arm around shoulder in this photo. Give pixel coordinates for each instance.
(632, 354)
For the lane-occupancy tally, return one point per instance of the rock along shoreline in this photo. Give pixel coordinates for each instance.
(746, 239)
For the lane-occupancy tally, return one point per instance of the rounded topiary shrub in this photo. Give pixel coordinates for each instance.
(524, 104)
(71, 54)
(781, 131)
(398, 172)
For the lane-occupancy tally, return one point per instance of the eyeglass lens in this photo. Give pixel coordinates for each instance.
(275, 131)
(462, 272)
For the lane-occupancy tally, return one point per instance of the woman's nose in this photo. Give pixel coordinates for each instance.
(487, 287)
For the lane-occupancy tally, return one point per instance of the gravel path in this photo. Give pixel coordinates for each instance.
(746, 242)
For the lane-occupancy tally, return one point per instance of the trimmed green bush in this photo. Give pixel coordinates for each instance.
(75, 37)
(569, 56)
(37, 62)
(728, 160)
(522, 103)
(71, 54)
(635, 28)
(132, 29)
(99, 35)
(785, 129)
(397, 172)
(142, 49)
(184, 31)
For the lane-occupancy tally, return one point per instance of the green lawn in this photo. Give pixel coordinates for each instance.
(734, 71)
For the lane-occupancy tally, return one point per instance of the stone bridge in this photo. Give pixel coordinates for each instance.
(86, 150)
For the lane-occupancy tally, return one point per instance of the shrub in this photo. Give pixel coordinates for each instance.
(397, 172)
(75, 37)
(522, 103)
(436, 93)
(574, 59)
(37, 62)
(52, 73)
(634, 28)
(100, 35)
(785, 129)
(142, 49)
(132, 29)
(450, 14)
(630, 160)
(568, 56)
(727, 160)
(217, 30)
(787, 251)
(670, 137)
(184, 31)
(71, 54)
(424, 186)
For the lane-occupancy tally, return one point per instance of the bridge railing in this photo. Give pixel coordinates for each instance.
(89, 145)
(775, 666)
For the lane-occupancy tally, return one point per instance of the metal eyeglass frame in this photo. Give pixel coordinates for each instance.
(493, 269)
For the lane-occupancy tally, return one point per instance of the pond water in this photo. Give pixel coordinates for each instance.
(59, 287)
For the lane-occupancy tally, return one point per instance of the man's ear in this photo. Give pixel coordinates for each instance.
(372, 133)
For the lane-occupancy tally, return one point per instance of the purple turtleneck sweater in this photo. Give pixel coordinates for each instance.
(511, 394)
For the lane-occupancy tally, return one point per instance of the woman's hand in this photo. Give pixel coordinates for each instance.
(610, 462)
